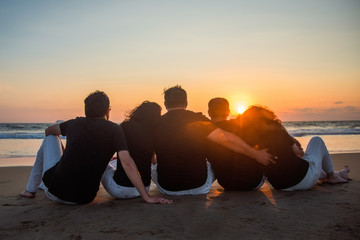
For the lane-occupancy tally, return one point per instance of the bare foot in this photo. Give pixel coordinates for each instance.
(343, 173)
(27, 194)
(334, 178)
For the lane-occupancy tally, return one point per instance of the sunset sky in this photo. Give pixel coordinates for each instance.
(299, 58)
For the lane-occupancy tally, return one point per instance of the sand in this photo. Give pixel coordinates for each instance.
(325, 212)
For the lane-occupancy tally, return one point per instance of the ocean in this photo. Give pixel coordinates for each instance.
(21, 140)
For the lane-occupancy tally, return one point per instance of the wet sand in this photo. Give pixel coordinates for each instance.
(325, 212)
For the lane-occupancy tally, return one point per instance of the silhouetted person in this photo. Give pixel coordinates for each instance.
(234, 171)
(180, 146)
(138, 128)
(294, 168)
(73, 176)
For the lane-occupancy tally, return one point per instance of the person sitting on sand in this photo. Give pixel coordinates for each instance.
(294, 169)
(180, 147)
(73, 176)
(138, 128)
(234, 171)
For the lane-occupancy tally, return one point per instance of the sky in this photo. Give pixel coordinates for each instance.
(301, 59)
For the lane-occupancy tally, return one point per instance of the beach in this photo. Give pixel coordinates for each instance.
(324, 212)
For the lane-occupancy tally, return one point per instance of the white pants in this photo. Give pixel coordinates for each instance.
(261, 183)
(204, 189)
(113, 188)
(48, 155)
(319, 159)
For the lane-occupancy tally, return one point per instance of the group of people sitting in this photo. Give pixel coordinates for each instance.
(182, 152)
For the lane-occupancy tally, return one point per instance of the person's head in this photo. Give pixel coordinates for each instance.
(175, 97)
(260, 118)
(97, 105)
(218, 109)
(146, 113)
(256, 122)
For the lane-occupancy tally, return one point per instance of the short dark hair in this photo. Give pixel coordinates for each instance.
(218, 107)
(175, 97)
(96, 104)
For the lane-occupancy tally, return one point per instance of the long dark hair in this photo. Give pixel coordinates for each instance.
(147, 113)
(256, 122)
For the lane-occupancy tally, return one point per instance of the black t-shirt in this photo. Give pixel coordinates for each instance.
(90, 144)
(233, 171)
(289, 169)
(141, 148)
(180, 146)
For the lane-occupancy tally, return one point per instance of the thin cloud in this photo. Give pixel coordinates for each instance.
(326, 110)
(330, 110)
(303, 110)
(350, 108)
(338, 102)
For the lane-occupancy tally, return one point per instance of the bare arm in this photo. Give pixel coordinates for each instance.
(53, 130)
(132, 172)
(296, 147)
(298, 150)
(236, 144)
(154, 159)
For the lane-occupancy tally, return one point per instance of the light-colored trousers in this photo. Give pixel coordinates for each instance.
(319, 159)
(48, 155)
(204, 189)
(113, 188)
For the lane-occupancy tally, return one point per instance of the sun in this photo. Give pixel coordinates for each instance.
(240, 109)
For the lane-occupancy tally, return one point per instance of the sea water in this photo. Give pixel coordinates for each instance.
(339, 136)
(22, 140)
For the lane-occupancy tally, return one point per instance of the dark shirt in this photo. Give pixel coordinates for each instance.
(289, 169)
(140, 142)
(180, 146)
(90, 144)
(233, 171)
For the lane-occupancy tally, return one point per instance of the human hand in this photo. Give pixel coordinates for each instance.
(158, 200)
(263, 157)
(298, 150)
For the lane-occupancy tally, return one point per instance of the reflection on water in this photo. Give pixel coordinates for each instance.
(213, 194)
(218, 191)
(266, 190)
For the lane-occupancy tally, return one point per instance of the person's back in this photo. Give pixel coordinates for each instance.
(289, 168)
(140, 142)
(180, 147)
(234, 171)
(138, 128)
(72, 176)
(90, 146)
(262, 128)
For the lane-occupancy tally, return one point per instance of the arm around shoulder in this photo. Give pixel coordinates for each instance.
(236, 144)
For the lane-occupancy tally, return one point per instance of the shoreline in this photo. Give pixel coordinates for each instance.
(324, 212)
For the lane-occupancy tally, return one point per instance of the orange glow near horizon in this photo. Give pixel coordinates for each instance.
(240, 109)
(239, 102)
(208, 51)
